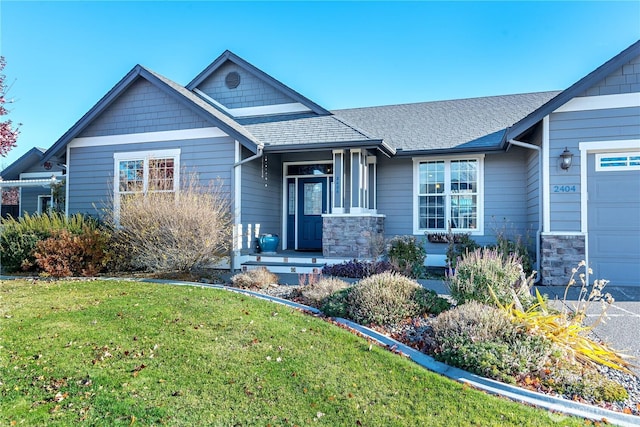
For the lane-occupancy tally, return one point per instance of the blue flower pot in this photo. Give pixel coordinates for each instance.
(268, 243)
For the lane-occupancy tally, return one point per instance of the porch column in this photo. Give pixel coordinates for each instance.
(338, 181)
(358, 183)
(372, 180)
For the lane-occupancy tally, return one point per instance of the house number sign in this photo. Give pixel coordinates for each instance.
(564, 188)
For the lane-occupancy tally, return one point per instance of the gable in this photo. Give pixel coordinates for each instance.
(608, 77)
(239, 89)
(626, 79)
(26, 163)
(250, 91)
(143, 107)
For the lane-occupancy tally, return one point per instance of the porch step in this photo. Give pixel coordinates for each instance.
(284, 267)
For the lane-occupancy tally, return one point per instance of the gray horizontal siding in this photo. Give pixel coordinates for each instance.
(143, 108)
(251, 92)
(91, 169)
(29, 198)
(569, 130)
(626, 79)
(506, 194)
(262, 198)
(395, 195)
(506, 206)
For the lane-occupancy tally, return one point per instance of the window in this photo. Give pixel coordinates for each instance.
(448, 192)
(45, 204)
(146, 171)
(618, 161)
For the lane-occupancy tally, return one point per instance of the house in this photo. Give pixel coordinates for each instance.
(560, 167)
(32, 178)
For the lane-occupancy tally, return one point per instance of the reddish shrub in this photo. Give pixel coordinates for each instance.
(65, 254)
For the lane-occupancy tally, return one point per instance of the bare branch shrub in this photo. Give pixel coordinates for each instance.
(314, 294)
(166, 232)
(260, 278)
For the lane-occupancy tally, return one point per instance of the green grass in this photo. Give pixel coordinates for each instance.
(127, 353)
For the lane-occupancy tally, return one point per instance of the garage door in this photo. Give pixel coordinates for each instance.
(613, 185)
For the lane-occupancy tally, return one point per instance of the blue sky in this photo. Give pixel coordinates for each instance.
(62, 57)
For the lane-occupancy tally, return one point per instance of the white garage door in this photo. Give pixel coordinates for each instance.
(613, 185)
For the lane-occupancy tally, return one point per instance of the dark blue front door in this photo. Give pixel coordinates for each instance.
(312, 203)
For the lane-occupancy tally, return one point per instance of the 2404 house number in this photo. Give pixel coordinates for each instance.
(564, 188)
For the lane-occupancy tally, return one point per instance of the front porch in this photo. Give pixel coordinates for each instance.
(327, 202)
(287, 262)
(246, 255)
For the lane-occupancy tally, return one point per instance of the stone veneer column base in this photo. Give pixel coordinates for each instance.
(350, 235)
(559, 255)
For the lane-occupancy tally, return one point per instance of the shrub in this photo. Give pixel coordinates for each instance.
(387, 299)
(259, 278)
(167, 232)
(65, 254)
(336, 304)
(430, 302)
(472, 321)
(356, 269)
(458, 245)
(18, 237)
(406, 255)
(566, 329)
(512, 243)
(482, 339)
(575, 381)
(484, 275)
(316, 293)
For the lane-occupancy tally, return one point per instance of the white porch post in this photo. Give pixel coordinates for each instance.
(358, 183)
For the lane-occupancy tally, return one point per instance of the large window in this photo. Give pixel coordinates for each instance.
(448, 192)
(143, 172)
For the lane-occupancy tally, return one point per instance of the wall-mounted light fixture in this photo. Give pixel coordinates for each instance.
(565, 159)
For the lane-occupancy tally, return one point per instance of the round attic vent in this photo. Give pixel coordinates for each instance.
(232, 80)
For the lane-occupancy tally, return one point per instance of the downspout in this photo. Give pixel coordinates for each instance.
(236, 184)
(540, 188)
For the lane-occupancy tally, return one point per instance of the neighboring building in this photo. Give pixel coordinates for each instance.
(32, 179)
(332, 181)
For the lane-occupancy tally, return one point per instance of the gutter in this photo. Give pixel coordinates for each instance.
(540, 195)
(447, 151)
(236, 185)
(378, 144)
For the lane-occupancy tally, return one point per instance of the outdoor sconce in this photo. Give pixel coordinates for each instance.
(565, 159)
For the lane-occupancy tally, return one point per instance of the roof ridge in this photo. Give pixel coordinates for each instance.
(354, 127)
(448, 100)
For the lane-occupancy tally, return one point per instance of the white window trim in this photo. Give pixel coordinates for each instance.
(416, 187)
(601, 102)
(142, 137)
(40, 198)
(146, 156)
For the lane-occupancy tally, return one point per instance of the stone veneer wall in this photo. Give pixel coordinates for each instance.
(349, 236)
(560, 254)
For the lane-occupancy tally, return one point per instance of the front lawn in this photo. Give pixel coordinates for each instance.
(128, 353)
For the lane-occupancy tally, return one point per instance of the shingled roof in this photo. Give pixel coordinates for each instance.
(472, 124)
(282, 133)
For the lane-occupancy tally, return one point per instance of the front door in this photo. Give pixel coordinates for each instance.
(312, 203)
